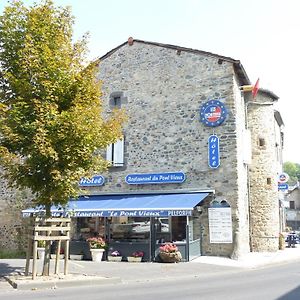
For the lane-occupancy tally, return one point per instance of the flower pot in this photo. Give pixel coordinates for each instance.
(76, 256)
(170, 257)
(114, 258)
(97, 254)
(41, 253)
(134, 259)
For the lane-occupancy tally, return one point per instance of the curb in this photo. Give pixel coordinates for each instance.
(53, 282)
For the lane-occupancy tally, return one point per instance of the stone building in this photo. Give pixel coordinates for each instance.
(199, 159)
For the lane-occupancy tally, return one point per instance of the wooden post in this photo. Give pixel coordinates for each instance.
(29, 246)
(67, 248)
(41, 230)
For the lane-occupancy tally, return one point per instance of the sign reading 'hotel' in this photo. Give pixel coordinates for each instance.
(155, 178)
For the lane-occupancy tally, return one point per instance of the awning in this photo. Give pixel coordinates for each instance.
(150, 205)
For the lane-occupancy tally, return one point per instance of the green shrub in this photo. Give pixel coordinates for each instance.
(12, 254)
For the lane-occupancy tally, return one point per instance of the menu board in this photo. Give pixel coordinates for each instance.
(220, 225)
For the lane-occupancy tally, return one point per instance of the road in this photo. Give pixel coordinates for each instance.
(280, 282)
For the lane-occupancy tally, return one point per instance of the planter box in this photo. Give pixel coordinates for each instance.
(114, 258)
(134, 259)
(76, 256)
(41, 253)
(172, 257)
(61, 256)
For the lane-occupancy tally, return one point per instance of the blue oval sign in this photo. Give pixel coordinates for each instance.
(213, 113)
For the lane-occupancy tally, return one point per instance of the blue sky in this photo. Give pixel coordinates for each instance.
(262, 34)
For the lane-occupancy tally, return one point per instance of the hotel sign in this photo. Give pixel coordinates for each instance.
(155, 178)
(213, 152)
(97, 180)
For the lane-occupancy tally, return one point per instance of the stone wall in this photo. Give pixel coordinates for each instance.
(12, 225)
(163, 91)
(264, 203)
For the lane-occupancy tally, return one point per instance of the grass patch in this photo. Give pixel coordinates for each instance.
(12, 254)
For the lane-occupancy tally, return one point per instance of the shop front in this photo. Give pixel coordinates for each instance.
(139, 222)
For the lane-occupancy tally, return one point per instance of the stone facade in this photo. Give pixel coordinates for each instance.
(162, 88)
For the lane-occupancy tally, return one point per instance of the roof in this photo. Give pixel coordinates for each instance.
(268, 93)
(238, 67)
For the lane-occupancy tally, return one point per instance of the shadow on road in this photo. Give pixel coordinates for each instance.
(292, 295)
(6, 269)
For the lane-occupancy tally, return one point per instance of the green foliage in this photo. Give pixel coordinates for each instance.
(50, 110)
(12, 254)
(293, 170)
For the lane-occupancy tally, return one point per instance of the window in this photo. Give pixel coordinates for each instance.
(261, 142)
(292, 204)
(116, 100)
(115, 153)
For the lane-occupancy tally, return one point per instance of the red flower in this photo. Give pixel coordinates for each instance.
(168, 247)
(138, 254)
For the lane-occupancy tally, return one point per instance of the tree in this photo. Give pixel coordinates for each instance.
(50, 111)
(293, 170)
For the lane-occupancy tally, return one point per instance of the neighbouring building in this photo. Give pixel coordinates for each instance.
(292, 198)
(199, 160)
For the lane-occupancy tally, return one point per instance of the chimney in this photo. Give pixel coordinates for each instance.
(130, 41)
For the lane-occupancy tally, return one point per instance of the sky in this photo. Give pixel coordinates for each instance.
(262, 34)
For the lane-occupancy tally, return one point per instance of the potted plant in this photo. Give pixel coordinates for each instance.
(136, 256)
(97, 247)
(169, 253)
(114, 256)
(41, 249)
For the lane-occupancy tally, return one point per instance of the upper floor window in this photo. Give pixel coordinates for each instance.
(116, 100)
(115, 153)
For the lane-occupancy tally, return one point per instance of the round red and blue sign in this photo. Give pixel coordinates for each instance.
(213, 113)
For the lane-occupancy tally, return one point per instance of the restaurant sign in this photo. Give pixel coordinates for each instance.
(125, 213)
(155, 178)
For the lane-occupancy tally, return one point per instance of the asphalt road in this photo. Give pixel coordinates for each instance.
(280, 282)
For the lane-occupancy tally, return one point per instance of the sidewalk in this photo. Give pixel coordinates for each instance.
(91, 273)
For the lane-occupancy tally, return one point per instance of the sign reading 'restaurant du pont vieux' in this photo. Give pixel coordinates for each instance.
(155, 178)
(213, 113)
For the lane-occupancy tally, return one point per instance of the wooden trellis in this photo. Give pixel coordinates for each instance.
(48, 230)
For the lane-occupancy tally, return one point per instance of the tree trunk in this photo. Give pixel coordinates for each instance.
(46, 264)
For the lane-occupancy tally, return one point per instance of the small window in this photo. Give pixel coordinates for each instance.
(116, 100)
(115, 153)
(292, 204)
(269, 180)
(261, 142)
